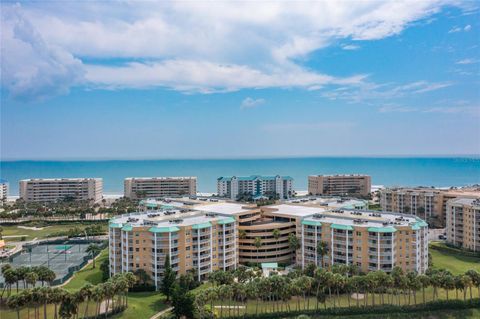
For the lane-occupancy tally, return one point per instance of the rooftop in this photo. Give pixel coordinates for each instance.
(470, 201)
(254, 177)
(162, 178)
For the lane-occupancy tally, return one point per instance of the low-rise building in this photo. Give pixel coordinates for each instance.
(425, 202)
(154, 187)
(57, 189)
(340, 185)
(463, 223)
(255, 186)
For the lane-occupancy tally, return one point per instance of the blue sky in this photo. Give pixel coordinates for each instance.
(222, 79)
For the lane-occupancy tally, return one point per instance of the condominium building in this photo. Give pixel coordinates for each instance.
(339, 184)
(424, 202)
(256, 186)
(3, 191)
(203, 236)
(153, 187)
(463, 223)
(56, 189)
(367, 239)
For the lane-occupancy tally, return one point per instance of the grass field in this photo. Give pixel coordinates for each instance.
(456, 263)
(88, 274)
(30, 234)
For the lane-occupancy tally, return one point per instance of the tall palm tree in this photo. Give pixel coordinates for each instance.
(475, 276)
(15, 302)
(467, 283)
(424, 281)
(56, 297)
(448, 283)
(93, 250)
(322, 250)
(31, 278)
(86, 293)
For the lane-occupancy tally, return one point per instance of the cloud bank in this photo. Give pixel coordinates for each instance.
(199, 47)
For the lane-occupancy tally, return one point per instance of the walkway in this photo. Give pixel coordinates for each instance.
(161, 313)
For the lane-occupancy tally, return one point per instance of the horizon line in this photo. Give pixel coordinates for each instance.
(147, 158)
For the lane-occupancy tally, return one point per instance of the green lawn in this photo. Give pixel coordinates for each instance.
(41, 233)
(88, 274)
(456, 263)
(143, 305)
(439, 314)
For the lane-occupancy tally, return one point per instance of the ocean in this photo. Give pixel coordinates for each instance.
(387, 171)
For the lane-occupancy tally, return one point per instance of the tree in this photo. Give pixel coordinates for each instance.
(93, 250)
(475, 276)
(105, 268)
(168, 280)
(322, 250)
(183, 303)
(142, 277)
(424, 281)
(294, 243)
(31, 278)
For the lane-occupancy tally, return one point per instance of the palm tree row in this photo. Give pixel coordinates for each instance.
(109, 296)
(29, 276)
(241, 289)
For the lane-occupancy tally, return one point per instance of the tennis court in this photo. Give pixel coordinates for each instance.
(63, 258)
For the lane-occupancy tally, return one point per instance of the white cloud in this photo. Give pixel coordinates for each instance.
(466, 61)
(454, 109)
(456, 29)
(31, 68)
(350, 47)
(188, 46)
(371, 92)
(249, 103)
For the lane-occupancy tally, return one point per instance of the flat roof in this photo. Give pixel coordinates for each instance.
(472, 201)
(161, 178)
(223, 208)
(296, 210)
(370, 219)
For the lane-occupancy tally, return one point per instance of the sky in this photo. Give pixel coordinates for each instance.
(133, 79)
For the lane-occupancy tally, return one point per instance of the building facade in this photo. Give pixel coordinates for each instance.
(256, 186)
(153, 187)
(339, 185)
(427, 203)
(192, 241)
(57, 189)
(3, 191)
(367, 239)
(463, 223)
(206, 236)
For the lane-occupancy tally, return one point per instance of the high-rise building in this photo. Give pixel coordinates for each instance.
(154, 187)
(424, 202)
(203, 236)
(339, 184)
(463, 223)
(56, 189)
(256, 186)
(3, 191)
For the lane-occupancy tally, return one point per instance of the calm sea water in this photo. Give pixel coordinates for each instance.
(440, 172)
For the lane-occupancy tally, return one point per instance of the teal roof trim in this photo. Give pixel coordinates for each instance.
(343, 227)
(227, 220)
(416, 227)
(127, 228)
(151, 205)
(202, 225)
(170, 229)
(388, 229)
(115, 225)
(269, 265)
(311, 223)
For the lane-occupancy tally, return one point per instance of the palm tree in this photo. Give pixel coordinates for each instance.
(467, 283)
(15, 302)
(86, 293)
(424, 281)
(56, 297)
(475, 276)
(31, 278)
(448, 283)
(93, 250)
(435, 282)
(45, 293)
(294, 243)
(322, 250)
